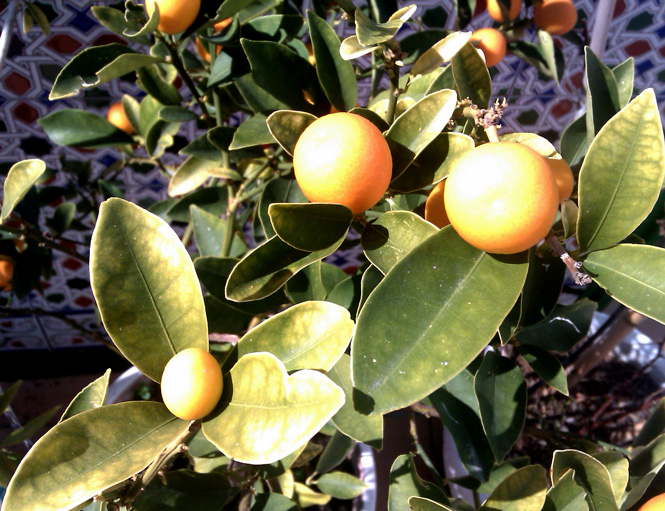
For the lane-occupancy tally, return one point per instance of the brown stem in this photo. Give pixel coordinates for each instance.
(574, 267)
(43, 239)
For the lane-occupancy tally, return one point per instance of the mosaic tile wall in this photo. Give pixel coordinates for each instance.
(637, 30)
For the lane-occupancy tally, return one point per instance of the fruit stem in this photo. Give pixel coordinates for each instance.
(574, 267)
(486, 118)
(349, 8)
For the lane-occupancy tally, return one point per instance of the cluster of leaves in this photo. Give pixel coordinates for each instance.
(319, 350)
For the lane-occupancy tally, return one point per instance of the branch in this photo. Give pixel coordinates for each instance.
(574, 267)
(43, 239)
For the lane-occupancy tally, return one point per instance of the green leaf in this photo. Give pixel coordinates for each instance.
(7, 396)
(92, 396)
(114, 20)
(501, 393)
(212, 199)
(458, 408)
(633, 275)
(29, 429)
(549, 52)
(185, 489)
(621, 175)
(200, 147)
(341, 485)
(97, 65)
(574, 143)
(523, 490)
(334, 454)
(145, 286)
(471, 76)
(564, 327)
(543, 285)
(407, 337)
(566, 495)
(90, 452)
(440, 53)
(310, 227)
(624, 74)
(209, 234)
(148, 28)
(151, 81)
(653, 427)
(306, 497)
(253, 132)
(546, 365)
(307, 284)
(393, 236)
(602, 95)
(418, 126)
(371, 33)
(352, 49)
(309, 335)
(433, 164)
(267, 268)
(272, 501)
(264, 414)
(278, 190)
(422, 504)
(405, 482)
(644, 467)
(547, 59)
(40, 18)
(78, 128)
(501, 472)
(286, 126)
(193, 172)
(590, 474)
(617, 466)
(362, 428)
(539, 144)
(19, 180)
(336, 75)
(148, 115)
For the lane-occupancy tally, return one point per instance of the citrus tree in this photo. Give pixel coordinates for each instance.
(468, 234)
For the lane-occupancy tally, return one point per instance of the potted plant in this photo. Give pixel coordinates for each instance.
(442, 319)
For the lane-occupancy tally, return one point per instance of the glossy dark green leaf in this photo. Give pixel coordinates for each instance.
(224, 319)
(92, 396)
(574, 143)
(341, 485)
(440, 53)
(602, 94)
(590, 474)
(444, 80)
(472, 78)
(566, 495)
(310, 335)
(185, 489)
(232, 7)
(407, 337)
(653, 427)
(132, 111)
(78, 128)
(148, 114)
(550, 52)
(273, 501)
(209, 234)
(177, 114)
(362, 428)
(97, 65)
(347, 294)
(371, 278)
(254, 131)
(114, 20)
(501, 472)
(564, 327)
(107, 190)
(212, 199)
(310, 227)
(546, 365)
(624, 74)
(90, 452)
(643, 468)
(543, 286)
(202, 148)
(633, 275)
(405, 482)
(286, 126)
(336, 75)
(191, 174)
(501, 392)
(434, 163)
(371, 33)
(160, 136)
(145, 285)
(523, 490)
(148, 28)
(19, 180)
(418, 126)
(278, 190)
(617, 465)
(7, 396)
(307, 284)
(264, 414)
(29, 429)
(423, 504)
(335, 452)
(267, 268)
(621, 175)
(393, 236)
(458, 408)
(260, 100)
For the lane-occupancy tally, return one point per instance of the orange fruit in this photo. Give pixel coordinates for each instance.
(175, 16)
(556, 17)
(343, 158)
(495, 13)
(192, 384)
(310, 52)
(117, 116)
(202, 50)
(563, 176)
(435, 209)
(501, 197)
(6, 273)
(655, 504)
(492, 42)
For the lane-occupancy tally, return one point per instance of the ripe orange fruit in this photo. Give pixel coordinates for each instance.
(563, 176)
(492, 42)
(192, 384)
(343, 158)
(6, 274)
(494, 10)
(435, 209)
(175, 16)
(556, 17)
(116, 116)
(202, 50)
(655, 504)
(501, 197)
